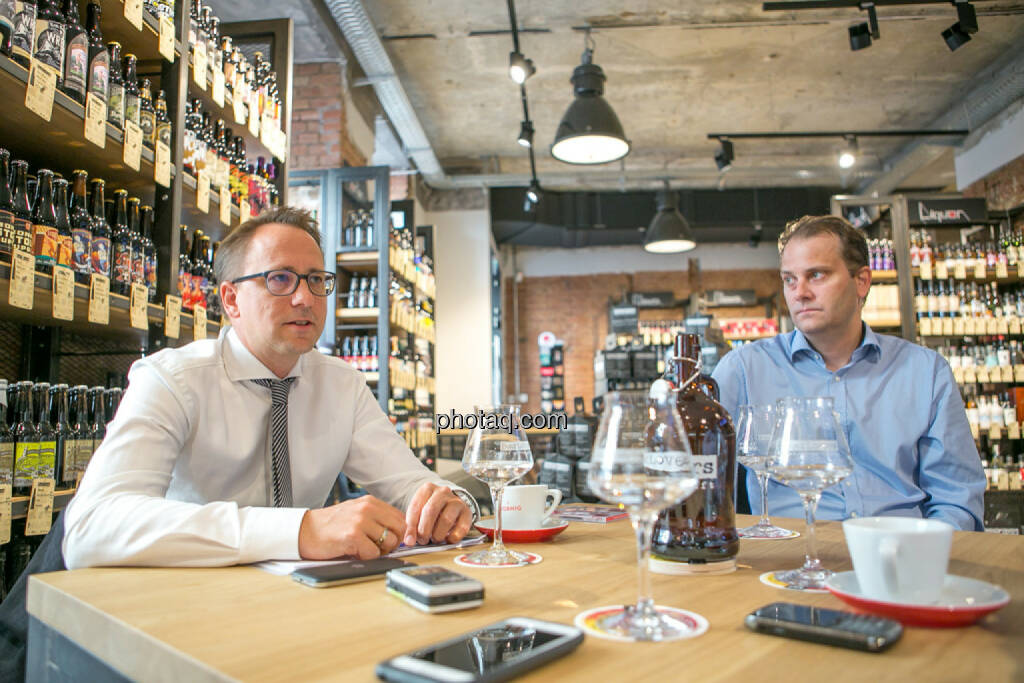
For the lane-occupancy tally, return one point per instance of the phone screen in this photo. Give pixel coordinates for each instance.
(802, 614)
(488, 649)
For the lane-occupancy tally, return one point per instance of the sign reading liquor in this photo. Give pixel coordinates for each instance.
(960, 211)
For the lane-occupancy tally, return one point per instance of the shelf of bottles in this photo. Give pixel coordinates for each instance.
(882, 307)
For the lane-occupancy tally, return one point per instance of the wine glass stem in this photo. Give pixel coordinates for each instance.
(762, 478)
(496, 492)
(643, 526)
(810, 505)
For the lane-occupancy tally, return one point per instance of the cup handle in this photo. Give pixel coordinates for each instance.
(556, 494)
(888, 550)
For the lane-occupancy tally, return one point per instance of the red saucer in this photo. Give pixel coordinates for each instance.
(552, 528)
(963, 601)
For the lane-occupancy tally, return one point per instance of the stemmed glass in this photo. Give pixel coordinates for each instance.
(808, 453)
(497, 453)
(753, 438)
(642, 460)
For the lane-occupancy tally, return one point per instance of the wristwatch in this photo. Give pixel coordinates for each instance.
(470, 503)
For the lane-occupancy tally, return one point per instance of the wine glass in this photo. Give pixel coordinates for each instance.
(642, 460)
(753, 438)
(497, 453)
(808, 453)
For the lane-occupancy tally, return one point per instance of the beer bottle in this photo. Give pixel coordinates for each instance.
(147, 116)
(64, 455)
(215, 306)
(227, 58)
(149, 264)
(121, 245)
(44, 223)
(221, 154)
(26, 447)
(191, 159)
(76, 53)
(209, 147)
(6, 207)
(198, 271)
(24, 32)
(80, 428)
(131, 90)
(193, 21)
(163, 122)
(6, 440)
(99, 251)
(213, 54)
(115, 86)
(7, 13)
(45, 436)
(99, 58)
(97, 418)
(206, 278)
(65, 244)
(21, 208)
(184, 269)
(81, 228)
(49, 38)
(111, 400)
(138, 257)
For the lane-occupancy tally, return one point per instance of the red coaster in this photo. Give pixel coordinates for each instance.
(531, 558)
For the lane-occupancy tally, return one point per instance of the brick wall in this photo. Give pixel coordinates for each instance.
(575, 309)
(319, 119)
(1003, 188)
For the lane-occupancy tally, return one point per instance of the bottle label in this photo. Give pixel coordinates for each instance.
(76, 63)
(65, 250)
(99, 74)
(83, 454)
(67, 464)
(138, 267)
(705, 467)
(115, 105)
(131, 107)
(122, 264)
(100, 256)
(22, 234)
(150, 270)
(47, 459)
(24, 29)
(26, 462)
(147, 122)
(81, 240)
(49, 42)
(183, 286)
(44, 244)
(6, 230)
(6, 462)
(163, 132)
(665, 461)
(7, 16)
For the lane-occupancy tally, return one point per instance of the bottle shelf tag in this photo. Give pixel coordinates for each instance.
(133, 13)
(1001, 272)
(172, 316)
(162, 164)
(1014, 326)
(975, 431)
(947, 326)
(203, 192)
(199, 65)
(960, 271)
(995, 432)
(959, 326)
(941, 271)
(96, 120)
(958, 375)
(991, 326)
(980, 272)
(926, 327)
(1002, 326)
(254, 114)
(225, 204)
(5, 513)
(218, 87)
(1013, 430)
(199, 323)
(99, 299)
(63, 294)
(244, 211)
(132, 145)
(1005, 373)
(971, 326)
(167, 38)
(40, 508)
(983, 375)
(137, 312)
(238, 105)
(926, 270)
(23, 280)
(42, 84)
(1018, 373)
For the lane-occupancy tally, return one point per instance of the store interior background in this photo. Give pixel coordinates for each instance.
(676, 71)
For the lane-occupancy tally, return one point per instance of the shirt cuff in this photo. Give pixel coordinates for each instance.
(270, 534)
(470, 502)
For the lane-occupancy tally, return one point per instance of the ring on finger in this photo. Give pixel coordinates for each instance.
(383, 535)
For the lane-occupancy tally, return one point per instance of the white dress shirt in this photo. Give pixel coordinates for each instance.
(182, 478)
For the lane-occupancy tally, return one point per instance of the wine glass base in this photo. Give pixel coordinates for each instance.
(497, 558)
(804, 579)
(767, 532)
(626, 623)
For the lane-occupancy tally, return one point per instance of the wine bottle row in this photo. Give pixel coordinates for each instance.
(361, 352)
(1006, 249)
(358, 231)
(197, 280)
(362, 292)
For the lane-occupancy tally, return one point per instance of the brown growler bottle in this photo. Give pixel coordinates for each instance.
(698, 535)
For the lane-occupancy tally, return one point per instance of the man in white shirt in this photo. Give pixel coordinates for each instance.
(186, 475)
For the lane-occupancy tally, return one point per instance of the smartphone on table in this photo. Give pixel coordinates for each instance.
(828, 626)
(328, 575)
(496, 652)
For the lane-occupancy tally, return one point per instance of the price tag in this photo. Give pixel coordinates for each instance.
(980, 272)
(133, 13)
(238, 104)
(926, 270)
(5, 513)
(99, 299)
(941, 271)
(975, 431)
(947, 326)
(958, 375)
(172, 316)
(199, 323)
(23, 276)
(960, 271)
(995, 432)
(970, 326)
(96, 120)
(245, 211)
(254, 114)
(40, 508)
(984, 376)
(199, 64)
(1002, 326)
(42, 83)
(203, 192)
(63, 294)
(280, 144)
(225, 205)
(1001, 271)
(1013, 430)
(167, 38)
(218, 87)
(926, 327)
(1018, 373)
(1005, 373)
(991, 326)
(1014, 326)
(970, 376)
(132, 145)
(162, 164)
(138, 309)
(959, 326)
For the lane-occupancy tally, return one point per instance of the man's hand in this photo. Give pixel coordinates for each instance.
(351, 528)
(436, 514)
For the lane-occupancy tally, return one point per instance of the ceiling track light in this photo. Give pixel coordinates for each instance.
(861, 34)
(848, 155)
(525, 134)
(519, 67)
(669, 233)
(724, 155)
(966, 24)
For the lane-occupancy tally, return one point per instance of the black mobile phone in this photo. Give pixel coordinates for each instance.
(496, 652)
(828, 626)
(348, 572)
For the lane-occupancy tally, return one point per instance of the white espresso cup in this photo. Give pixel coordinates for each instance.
(899, 559)
(527, 507)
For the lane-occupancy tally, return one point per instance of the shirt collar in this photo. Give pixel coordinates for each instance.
(241, 365)
(869, 346)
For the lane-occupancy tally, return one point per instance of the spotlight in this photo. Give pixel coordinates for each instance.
(533, 194)
(861, 34)
(669, 233)
(525, 134)
(966, 17)
(724, 155)
(519, 67)
(848, 156)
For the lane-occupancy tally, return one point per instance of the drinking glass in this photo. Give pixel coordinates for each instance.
(808, 453)
(753, 438)
(497, 453)
(642, 460)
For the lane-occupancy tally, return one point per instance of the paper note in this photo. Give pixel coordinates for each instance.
(40, 508)
(23, 280)
(218, 87)
(42, 83)
(167, 38)
(63, 293)
(133, 13)
(203, 192)
(132, 145)
(96, 120)
(162, 165)
(199, 64)
(172, 316)
(99, 299)
(225, 204)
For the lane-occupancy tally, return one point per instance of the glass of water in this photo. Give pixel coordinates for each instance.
(497, 453)
(753, 437)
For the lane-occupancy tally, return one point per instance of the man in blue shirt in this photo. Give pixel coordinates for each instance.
(899, 406)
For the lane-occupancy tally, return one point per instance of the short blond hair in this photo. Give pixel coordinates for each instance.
(231, 253)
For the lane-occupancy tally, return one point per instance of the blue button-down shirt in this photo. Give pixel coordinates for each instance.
(903, 416)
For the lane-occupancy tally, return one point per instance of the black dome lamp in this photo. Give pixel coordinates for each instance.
(590, 132)
(669, 233)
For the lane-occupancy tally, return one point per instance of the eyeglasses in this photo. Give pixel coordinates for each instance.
(284, 282)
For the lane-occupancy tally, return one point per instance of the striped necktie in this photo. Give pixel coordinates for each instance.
(279, 439)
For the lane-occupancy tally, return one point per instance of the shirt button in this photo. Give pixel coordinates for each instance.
(853, 514)
(837, 378)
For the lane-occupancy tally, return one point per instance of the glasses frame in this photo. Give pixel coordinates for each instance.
(329, 277)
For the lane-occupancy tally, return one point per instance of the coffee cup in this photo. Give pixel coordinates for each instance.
(527, 507)
(899, 559)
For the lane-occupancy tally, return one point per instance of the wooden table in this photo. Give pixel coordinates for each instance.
(242, 623)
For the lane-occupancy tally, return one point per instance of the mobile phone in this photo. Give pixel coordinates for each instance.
(828, 626)
(435, 589)
(348, 572)
(496, 652)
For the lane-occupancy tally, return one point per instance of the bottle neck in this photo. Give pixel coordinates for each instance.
(98, 202)
(78, 193)
(92, 19)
